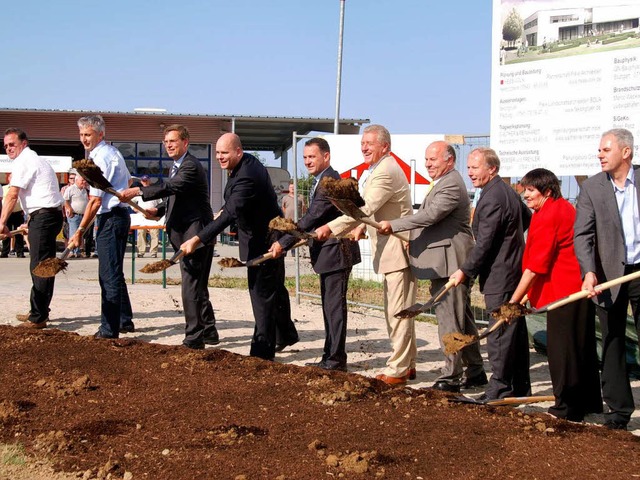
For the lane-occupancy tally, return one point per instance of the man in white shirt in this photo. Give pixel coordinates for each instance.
(34, 183)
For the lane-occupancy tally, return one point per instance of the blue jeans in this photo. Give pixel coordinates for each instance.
(113, 231)
(74, 223)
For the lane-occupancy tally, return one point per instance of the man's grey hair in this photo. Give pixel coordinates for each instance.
(382, 133)
(95, 122)
(490, 156)
(623, 136)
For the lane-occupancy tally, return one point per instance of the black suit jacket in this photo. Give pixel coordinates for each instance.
(187, 207)
(498, 226)
(334, 254)
(251, 202)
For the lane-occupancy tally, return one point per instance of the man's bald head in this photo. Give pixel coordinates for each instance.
(229, 151)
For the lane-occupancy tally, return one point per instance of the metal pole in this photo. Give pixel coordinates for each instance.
(336, 121)
(294, 153)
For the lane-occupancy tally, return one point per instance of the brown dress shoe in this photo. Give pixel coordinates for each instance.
(392, 380)
(37, 326)
(22, 317)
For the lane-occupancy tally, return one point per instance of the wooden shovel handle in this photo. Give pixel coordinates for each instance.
(585, 293)
(376, 225)
(133, 205)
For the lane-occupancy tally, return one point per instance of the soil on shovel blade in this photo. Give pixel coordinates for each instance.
(130, 409)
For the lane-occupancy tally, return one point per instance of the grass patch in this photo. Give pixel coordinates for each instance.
(12, 454)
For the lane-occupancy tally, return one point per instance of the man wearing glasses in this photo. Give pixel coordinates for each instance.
(34, 184)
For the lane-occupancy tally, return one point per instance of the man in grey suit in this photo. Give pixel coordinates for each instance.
(607, 244)
(440, 241)
(498, 227)
(331, 259)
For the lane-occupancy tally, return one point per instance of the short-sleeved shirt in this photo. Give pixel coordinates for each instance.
(114, 169)
(37, 182)
(77, 197)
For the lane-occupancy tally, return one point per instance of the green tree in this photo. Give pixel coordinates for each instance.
(513, 27)
(304, 185)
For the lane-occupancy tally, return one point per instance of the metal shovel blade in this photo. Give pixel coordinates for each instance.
(418, 308)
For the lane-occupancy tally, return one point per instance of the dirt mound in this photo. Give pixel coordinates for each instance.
(131, 409)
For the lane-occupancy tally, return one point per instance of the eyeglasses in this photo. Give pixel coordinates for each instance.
(10, 145)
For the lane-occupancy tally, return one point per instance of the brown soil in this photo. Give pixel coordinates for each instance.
(343, 189)
(50, 267)
(510, 311)
(156, 267)
(454, 342)
(284, 225)
(230, 262)
(139, 410)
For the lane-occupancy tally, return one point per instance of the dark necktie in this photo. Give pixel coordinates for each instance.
(174, 170)
(314, 183)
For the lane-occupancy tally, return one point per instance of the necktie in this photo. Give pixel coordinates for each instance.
(314, 184)
(174, 170)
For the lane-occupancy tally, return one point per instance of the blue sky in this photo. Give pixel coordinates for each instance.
(416, 66)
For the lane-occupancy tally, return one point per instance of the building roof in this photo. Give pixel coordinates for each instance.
(260, 133)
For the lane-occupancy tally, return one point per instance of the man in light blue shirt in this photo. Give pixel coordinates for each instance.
(113, 222)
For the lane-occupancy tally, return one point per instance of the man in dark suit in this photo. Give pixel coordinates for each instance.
(187, 210)
(332, 259)
(440, 241)
(607, 244)
(251, 202)
(498, 226)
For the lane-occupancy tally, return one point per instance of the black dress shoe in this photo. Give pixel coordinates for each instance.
(214, 340)
(320, 364)
(477, 381)
(446, 387)
(128, 328)
(615, 425)
(194, 346)
(281, 346)
(99, 334)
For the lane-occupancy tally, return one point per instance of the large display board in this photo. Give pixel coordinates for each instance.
(563, 72)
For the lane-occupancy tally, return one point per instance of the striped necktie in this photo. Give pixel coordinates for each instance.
(174, 170)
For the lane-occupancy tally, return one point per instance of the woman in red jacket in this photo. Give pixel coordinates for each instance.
(550, 272)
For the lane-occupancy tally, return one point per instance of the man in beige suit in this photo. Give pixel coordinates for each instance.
(441, 239)
(387, 196)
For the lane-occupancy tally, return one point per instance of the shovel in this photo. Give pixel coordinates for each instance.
(156, 267)
(505, 310)
(51, 266)
(13, 233)
(504, 401)
(234, 262)
(454, 342)
(94, 177)
(351, 210)
(418, 308)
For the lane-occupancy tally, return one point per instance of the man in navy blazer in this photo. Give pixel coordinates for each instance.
(187, 210)
(498, 227)
(251, 202)
(607, 244)
(332, 259)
